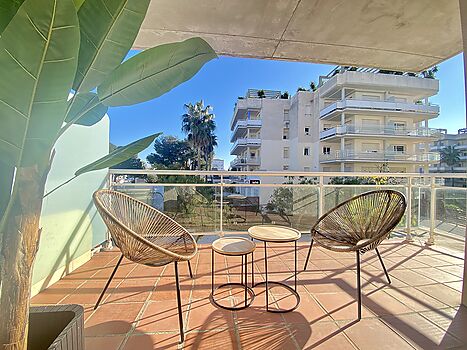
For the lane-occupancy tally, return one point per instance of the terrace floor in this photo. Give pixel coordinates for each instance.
(420, 309)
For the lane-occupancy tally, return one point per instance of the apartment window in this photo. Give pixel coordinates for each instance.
(285, 167)
(252, 155)
(307, 131)
(370, 97)
(306, 168)
(285, 134)
(370, 147)
(327, 127)
(326, 150)
(399, 125)
(399, 148)
(286, 152)
(286, 114)
(306, 151)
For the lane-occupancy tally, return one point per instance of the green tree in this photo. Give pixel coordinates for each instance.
(47, 49)
(450, 155)
(199, 126)
(171, 152)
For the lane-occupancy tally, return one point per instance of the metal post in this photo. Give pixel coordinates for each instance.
(321, 196)
(221, 225)
(431, 239)
(408, 237)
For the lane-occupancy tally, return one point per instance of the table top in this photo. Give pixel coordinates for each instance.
(236, 196)
(233, 246)
(274, 233)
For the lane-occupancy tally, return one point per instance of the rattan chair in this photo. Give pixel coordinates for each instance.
(144, 235)
(358, 225)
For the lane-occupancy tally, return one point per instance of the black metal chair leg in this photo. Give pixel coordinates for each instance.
(359, 288)
(179, 304)
(382, 264)
(108, 282)
(189, 269)
(309, 253)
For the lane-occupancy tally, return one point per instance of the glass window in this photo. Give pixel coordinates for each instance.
(286, 152)
(326, 150)
(307, 130)
(306, 151)
(399, 148)
(285, 167)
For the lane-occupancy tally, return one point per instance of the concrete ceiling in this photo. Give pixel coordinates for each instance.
(407, 35)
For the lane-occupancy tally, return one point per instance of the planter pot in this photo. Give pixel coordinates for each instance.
(57, 327)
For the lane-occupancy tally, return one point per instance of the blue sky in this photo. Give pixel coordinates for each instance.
(221, 81)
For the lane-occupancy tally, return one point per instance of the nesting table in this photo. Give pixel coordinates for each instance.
(276, 234)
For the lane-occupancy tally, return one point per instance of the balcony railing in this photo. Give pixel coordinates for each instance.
(244, 124)
(379, 106)
(213, 203)
(385, 130)
(245, 161)
(390, 156)
(245, 142)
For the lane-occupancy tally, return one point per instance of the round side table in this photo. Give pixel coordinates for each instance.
(233, 246)
(276, 234)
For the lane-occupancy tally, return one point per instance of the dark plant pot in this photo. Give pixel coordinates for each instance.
(56, 327)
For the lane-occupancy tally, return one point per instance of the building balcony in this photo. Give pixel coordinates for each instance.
(387, 156)
(447, 169)
(241, 126)
(421, 308)
(335, 109)
(240, 145)
(243, 161)
(242, 107)
(386, 130)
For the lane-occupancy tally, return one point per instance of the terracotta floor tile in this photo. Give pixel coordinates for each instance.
(420, 332)
(141, 341)
(212, 340)
(53, 294)
(411, 278)
(308, 311)
(205, 316)
(131, 291)
(373, 334)
(110, 319)
(437, 275)
(452, 320)
(415, 299)
(381, 303)
(160, 316)
(270, 338)
(100, 343)
(342, 306)
(320, 335)
(443, 293)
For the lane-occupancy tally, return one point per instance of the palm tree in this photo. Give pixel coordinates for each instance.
(199, 126)
(451, 156)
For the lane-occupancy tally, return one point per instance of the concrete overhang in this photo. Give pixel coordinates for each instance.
(404, 35)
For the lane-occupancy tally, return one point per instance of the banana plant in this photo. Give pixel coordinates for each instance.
(49, 49)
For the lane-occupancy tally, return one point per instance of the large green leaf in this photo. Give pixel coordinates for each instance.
(119, 155)
(85, 109)
(38, 51)
(8, 9)
(108, 29)
(155, 71)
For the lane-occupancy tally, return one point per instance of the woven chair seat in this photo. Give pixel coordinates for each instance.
(143, 234)
(360, 223)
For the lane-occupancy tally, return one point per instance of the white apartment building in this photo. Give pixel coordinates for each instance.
(357, 120)
(459, 142)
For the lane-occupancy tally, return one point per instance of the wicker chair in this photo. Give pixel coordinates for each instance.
(145, 236)
(358, 225)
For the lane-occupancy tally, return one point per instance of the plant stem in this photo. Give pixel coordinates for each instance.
(62, 184)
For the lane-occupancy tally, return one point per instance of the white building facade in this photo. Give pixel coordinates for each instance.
(360, 120)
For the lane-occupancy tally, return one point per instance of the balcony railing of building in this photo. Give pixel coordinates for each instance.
(386, 130)
(212, 203)
(389, 156)
(245, 142)
(244, 124)
(245, 161)
(379, 106)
